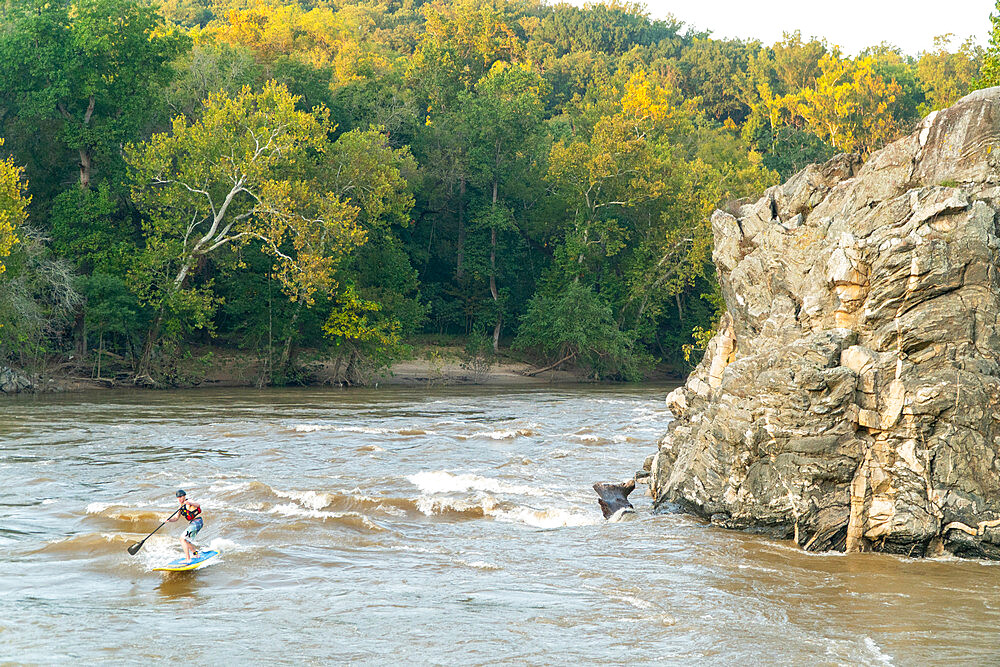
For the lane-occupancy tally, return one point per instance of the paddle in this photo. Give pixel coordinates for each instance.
(134, 548)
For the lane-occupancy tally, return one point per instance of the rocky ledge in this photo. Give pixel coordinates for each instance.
(850, 399)
(14, 382)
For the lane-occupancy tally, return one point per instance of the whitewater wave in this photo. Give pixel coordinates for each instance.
(479, 565)
(434, 486)
(877, 652)
(349, 519)
(118, 512)
(340, 428)
(89, 543)
(367, 430)
(441, 481)
(500, 434)
(255, 496)
(311, 499)
(486, 506)
(548, 518)
(636, 602)
(450, 507)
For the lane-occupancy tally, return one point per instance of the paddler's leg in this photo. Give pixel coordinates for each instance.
(190, 550)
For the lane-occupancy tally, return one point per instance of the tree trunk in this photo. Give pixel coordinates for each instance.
(80, 331)
(145, 363)
(551, 366)
(84, 169)
(336, 370)
(286, 352)
(459, 269)
(100, 354)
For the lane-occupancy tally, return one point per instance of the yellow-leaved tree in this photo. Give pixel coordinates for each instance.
(13, 205)
(320, 37)
(849, 106)
(622, 164)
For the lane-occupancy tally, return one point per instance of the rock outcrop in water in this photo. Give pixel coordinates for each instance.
(613, 499)
(851, 397)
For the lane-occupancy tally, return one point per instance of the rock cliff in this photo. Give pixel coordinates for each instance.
(851, 397)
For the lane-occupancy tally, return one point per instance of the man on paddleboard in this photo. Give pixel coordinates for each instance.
(190, 511)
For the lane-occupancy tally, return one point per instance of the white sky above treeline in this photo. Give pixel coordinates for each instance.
(850, 24)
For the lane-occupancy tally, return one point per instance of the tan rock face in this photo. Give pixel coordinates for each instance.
(851, 398)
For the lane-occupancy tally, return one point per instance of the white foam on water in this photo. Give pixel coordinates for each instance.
(431, 505)
(636, 602)
(363, 429)
(624, 514)
(480, 565)
(498, 434)
(291, 510)
(441, 481)
(49, 501)
(97, 508)
(223, 545)
(220, 487)
(877, 652)
(504, 512)
(310, 499)
(157, 551)
(550, 518)
(368, 430)
(310, 428)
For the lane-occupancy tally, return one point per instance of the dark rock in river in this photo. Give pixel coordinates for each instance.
(613, 499)
(851, 397)
(14, 382)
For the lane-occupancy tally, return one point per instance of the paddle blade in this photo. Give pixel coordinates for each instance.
(133, 549)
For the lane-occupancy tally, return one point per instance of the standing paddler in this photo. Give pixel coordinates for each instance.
(192, 512)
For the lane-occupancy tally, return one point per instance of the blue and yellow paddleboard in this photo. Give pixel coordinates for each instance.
(182, 565)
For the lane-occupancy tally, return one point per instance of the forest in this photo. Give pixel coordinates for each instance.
(340, 180)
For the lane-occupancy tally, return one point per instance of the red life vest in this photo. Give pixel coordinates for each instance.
(188, 514)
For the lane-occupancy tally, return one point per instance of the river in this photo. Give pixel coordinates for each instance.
(431, 526)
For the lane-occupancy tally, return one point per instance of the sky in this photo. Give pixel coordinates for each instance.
(850, 24)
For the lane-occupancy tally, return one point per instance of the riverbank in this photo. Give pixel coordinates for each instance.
(428, 365)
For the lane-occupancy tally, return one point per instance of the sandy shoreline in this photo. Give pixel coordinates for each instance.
(237, 371)
(217, 367)
(423, 372)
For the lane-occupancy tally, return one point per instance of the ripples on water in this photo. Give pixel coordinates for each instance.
(435, 526)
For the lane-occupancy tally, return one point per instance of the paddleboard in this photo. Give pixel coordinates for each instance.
(182, 565)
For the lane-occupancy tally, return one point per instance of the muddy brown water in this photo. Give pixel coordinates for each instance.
(431, 526)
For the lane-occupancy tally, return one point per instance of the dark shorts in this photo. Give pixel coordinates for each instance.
(193, 529)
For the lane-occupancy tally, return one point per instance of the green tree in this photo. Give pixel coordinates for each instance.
(947, 76)
(503, 117)
(238, 173)
(989, 73)
(93, 69)
(574, 324)
(620, 166)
